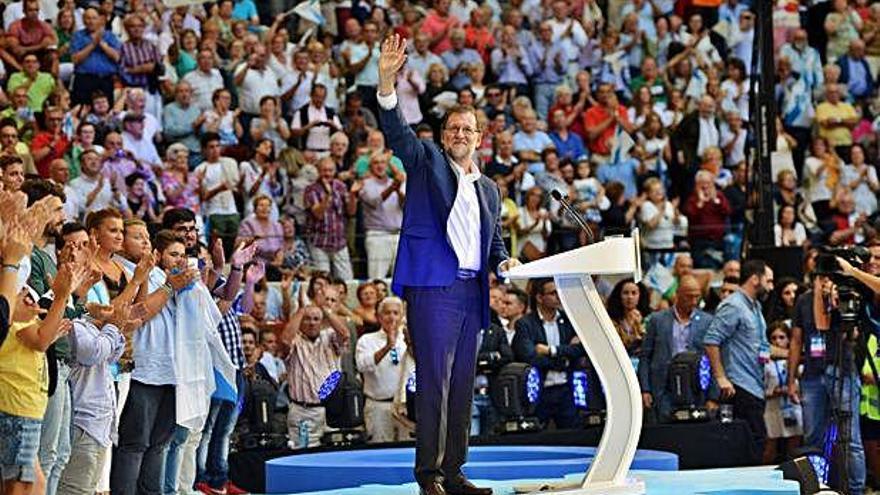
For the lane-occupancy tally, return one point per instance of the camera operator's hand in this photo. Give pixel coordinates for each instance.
(647, 400)
(845, 267)
(727, 390)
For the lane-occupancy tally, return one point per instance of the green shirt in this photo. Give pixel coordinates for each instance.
(43, 270)
(362, 166)
(658, 89)
(39, 90)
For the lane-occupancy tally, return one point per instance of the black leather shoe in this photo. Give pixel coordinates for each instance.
(433, 488)
(462, 486)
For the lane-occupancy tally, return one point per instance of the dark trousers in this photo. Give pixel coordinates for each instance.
(86, 84)
(751, 409)
(145, 429)
(444, 324)
(557, 403)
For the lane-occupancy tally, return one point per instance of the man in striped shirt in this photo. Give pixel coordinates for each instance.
(328, 203)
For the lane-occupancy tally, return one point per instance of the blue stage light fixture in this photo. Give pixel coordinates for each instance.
(580, 388)
(705, 373)
(329, 385)
(533, 386)
(820, 467)
(411, 383)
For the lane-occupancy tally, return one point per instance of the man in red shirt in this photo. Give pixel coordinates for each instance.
(477, 35)
(31, 35)
(601, 121)
(708, 211)
(50, 143)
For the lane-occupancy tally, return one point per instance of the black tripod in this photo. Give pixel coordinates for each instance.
(839, 432)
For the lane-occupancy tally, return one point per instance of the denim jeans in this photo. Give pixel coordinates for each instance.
(55, 435)
(145, 429)
(213, 453)
(172, 459)
(818, 396)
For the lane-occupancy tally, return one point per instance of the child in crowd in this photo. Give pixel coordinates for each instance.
(783, 418)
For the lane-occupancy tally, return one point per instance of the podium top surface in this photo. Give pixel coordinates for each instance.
(612, 256)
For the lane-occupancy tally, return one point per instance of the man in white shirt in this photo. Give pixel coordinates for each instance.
(296, 84)
(91, 191)
(316, 122)
(421, 58)
(134, 140)
(269, 358)
(383, 199)
(204, 80)
(378, 357)
(254, 81)
(218, 176)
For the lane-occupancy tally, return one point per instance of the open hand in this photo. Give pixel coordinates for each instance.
(391, 59)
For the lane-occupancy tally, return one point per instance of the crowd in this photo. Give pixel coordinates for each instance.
(200, 216)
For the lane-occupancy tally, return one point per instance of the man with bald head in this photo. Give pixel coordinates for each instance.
(317, 339)
(672, 331)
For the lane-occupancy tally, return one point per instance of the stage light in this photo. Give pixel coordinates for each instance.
(515, 392)
(411, 397)
(343, 402)
(689, 379)
(588, 395)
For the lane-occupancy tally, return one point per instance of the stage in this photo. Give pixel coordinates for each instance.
(736, 481)
(697, 445)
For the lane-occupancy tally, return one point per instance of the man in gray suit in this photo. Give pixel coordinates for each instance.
(671, 331)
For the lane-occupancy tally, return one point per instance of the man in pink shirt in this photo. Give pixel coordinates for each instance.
(438, 25)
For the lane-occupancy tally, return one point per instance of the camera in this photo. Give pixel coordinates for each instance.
(789, 415)
(850, 291)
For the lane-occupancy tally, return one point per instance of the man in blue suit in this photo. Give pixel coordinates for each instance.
(671, 331)
(450, 241)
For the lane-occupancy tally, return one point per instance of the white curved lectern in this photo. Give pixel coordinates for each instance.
(583, 305)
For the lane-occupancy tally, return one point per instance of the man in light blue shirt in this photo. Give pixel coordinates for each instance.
(549, 63)
(458, 59)
(737, 347)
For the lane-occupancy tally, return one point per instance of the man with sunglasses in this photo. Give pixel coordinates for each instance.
(450, 241)
(378, 357)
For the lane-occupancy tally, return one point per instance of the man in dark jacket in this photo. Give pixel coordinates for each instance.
(546, 339)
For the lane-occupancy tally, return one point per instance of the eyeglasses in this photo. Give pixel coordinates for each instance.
(185, 229)
(467, 131)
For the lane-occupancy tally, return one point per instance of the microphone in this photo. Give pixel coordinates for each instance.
(578, 218)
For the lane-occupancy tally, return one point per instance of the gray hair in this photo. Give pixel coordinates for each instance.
(388, 301)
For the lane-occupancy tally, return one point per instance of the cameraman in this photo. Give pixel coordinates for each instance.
(818, 336)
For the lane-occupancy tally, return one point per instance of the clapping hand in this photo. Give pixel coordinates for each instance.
(255, 273)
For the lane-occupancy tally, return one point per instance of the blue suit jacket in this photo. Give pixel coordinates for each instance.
(530, 332)
(424, 256)
(656, 353)
(843, 63)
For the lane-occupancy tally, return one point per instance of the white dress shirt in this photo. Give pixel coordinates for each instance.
(551, 330)
(709, 135)
(380, 380)
(463, 225)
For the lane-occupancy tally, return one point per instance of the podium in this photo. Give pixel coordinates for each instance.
(572, 273)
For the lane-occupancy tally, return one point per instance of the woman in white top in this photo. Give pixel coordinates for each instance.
(534, 225)
(658, 217)
(788, 231)
(862, 179)
(822, 173)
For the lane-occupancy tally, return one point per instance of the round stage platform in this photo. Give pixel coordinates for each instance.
(355, 468)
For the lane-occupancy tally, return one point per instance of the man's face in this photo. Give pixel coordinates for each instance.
(319, 94)
(53, 120)
(8, 137)
(189, 233)
(727, 288)
(511, 306)
(248, 345)
(390, 316)
(687, 297)
(136, 242)
(212, 151)
(174, 256)
(548, 297)
(327, 170)
(56, 220)
(371, 32)
(505, 144)
(205, 61)
(766, 283)
(91, 164)
(338, 147)
(422, 42)
(311, 322)
(75, 245)
(269, 342)
(31, 64)
(461, 135)
(59, 172)
(183, 94)
(32, 11)
(683, 265)
(135, 30)
(873, 265)
(379, 167)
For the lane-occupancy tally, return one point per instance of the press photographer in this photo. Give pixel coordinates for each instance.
(825, 336)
